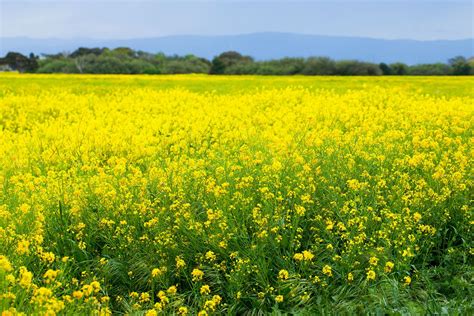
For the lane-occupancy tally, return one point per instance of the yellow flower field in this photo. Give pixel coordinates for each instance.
(190, 194)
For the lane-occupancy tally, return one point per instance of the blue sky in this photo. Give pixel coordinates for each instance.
(109, 19)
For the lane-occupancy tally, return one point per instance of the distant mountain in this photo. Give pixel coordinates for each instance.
(263, 46)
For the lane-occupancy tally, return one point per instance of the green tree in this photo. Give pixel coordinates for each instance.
(386, 69)
(399, 69)
(322, 66)
(471, 64)
(460, 66)
(226, 60)
(438, 69)
(122, 52)
(83, 51)
(357, 68)
(20, 62)
(57, 66)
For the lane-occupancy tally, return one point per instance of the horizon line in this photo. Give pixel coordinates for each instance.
(230, 35)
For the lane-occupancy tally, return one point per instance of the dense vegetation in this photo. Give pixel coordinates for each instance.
(127, 61)
(220, 195)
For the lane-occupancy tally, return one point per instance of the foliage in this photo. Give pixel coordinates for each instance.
(322, 66)
(60, 65)
(357, 68)
(186, 65)
(460, 66)
(223, 63)
(84, 51)
(121, 195)
(123, 60)
(19, 62)
(438, 69)
(399, 69)
(386, 69)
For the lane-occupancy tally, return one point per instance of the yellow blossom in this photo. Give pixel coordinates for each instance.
(210, 256)
(205, 290)
(350, 277)
(5, 265)
(389, 266)
(25, 277)
(197, 275)
(307, 255)
(407, 280)
(298, 257)
(283, 274)
(50, 275)
(156, 272)
(172, 290)
(151, 312)
(327, 270)
(23, 247)
(77, 294)
(416, 217)
(371, 275)
(180, 263)
(373, 261)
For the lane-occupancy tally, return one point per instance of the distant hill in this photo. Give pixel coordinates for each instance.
(264, 46)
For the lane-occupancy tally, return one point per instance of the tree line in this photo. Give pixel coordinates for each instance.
(124, 60)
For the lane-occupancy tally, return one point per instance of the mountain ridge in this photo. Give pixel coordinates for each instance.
(263, 46)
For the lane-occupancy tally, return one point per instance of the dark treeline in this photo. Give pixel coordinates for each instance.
(124, 60)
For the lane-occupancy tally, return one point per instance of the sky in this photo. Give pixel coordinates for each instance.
(112, 19)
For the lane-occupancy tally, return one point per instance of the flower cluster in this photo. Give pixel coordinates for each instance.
(118, 193)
